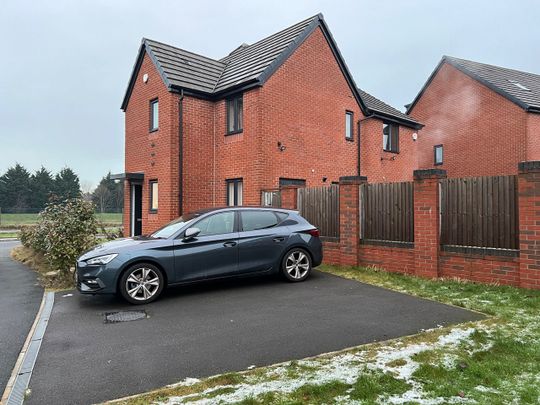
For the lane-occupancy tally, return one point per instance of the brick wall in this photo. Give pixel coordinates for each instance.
(529, 223)
(390, 258)
(426, 257)
(480, 268)
(483, 133)
(533, 137)
(383, 167)
(154, 153)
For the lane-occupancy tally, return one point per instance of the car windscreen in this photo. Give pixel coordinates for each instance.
(172, 227)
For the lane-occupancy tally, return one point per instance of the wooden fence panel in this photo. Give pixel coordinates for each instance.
(320, 206)
(387, 212)
(479, 212)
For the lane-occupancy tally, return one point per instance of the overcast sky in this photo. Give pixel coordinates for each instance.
(65, 64)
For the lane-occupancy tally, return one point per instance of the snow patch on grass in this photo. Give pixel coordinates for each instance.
(396, 359)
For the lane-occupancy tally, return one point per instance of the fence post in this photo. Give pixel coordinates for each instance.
(529, 223)
(289, 197)
(427, 221)
(349, 218)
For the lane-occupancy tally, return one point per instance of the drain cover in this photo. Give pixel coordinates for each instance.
(124, 316)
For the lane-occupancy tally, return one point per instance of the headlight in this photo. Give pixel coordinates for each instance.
(101, 259)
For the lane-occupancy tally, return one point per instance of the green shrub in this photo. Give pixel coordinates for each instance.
(26, 236)
(64, 231)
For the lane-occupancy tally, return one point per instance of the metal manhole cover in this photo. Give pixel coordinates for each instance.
(124, 316)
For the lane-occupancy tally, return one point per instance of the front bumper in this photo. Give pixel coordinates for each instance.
(94, 279)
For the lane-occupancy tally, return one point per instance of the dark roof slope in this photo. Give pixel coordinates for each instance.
(521, 88)
(249, 62)
(245, 67)
(185, 69)
(383, 110)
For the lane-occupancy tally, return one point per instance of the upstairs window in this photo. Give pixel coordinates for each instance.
(235, 115)
(154, 115)
(349, 125)
(390, 137)
(438, 155)
(234, 192)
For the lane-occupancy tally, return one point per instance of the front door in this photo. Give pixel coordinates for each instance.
(136, 209)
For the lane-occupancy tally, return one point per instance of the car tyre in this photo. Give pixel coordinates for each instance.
(296, 265)
(141, 283)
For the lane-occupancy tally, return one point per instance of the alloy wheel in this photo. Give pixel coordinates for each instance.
(297, 264)
(142, 284)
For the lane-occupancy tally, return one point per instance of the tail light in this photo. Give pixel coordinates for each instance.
(314, 232)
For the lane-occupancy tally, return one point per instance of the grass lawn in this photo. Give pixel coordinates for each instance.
(494, 361)
(6, 235)
(16, 220)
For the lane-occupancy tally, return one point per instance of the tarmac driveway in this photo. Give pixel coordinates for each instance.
(20, 297)
(214, 328)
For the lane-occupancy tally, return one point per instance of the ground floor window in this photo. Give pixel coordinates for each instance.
(283, 181)
(234, 192)
(154, 195)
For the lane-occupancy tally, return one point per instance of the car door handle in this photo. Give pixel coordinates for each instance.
(229, 244)
(279, 239)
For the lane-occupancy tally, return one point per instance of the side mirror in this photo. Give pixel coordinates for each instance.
(191, 233)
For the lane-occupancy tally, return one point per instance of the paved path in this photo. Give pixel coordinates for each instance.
(20, 297)
(213, 328)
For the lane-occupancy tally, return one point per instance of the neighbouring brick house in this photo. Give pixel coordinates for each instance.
(285, 110)
(480, 120)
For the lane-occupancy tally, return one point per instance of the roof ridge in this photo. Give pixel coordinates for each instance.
(489, 64)
(319, 16)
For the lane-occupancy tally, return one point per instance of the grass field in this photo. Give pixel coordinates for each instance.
(494, 361)
(16, 220)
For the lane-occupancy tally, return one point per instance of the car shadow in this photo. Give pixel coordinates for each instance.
(106, 302)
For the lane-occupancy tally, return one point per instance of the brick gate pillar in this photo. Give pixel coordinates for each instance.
(529, 224)
(426, 221)
(289, 197)
(349, 218)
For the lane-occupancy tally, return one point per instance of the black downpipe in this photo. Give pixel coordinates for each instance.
(180, 151)
(358, 161)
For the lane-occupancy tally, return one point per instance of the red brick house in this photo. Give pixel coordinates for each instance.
(202, 132)
(480, 120)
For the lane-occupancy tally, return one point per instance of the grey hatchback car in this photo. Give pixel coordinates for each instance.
(205, 245)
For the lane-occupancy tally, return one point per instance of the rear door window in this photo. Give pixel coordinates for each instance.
(254, 220)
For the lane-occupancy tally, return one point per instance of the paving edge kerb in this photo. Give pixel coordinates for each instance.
(15, 391)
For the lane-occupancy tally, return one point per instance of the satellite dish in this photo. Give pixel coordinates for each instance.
(414, 136)
(145, 77)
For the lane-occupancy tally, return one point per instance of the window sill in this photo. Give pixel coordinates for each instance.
(152, 211)
(437, 164)
(391, 151)
(153, 130)
(349, 139)
(234, 132)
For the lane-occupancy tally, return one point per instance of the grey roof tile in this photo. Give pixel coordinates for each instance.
(522, 88)
(379, 106)
(505, 80)
(247, 65)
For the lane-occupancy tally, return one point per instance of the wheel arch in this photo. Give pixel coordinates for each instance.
(295, 246)
(140, 260)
